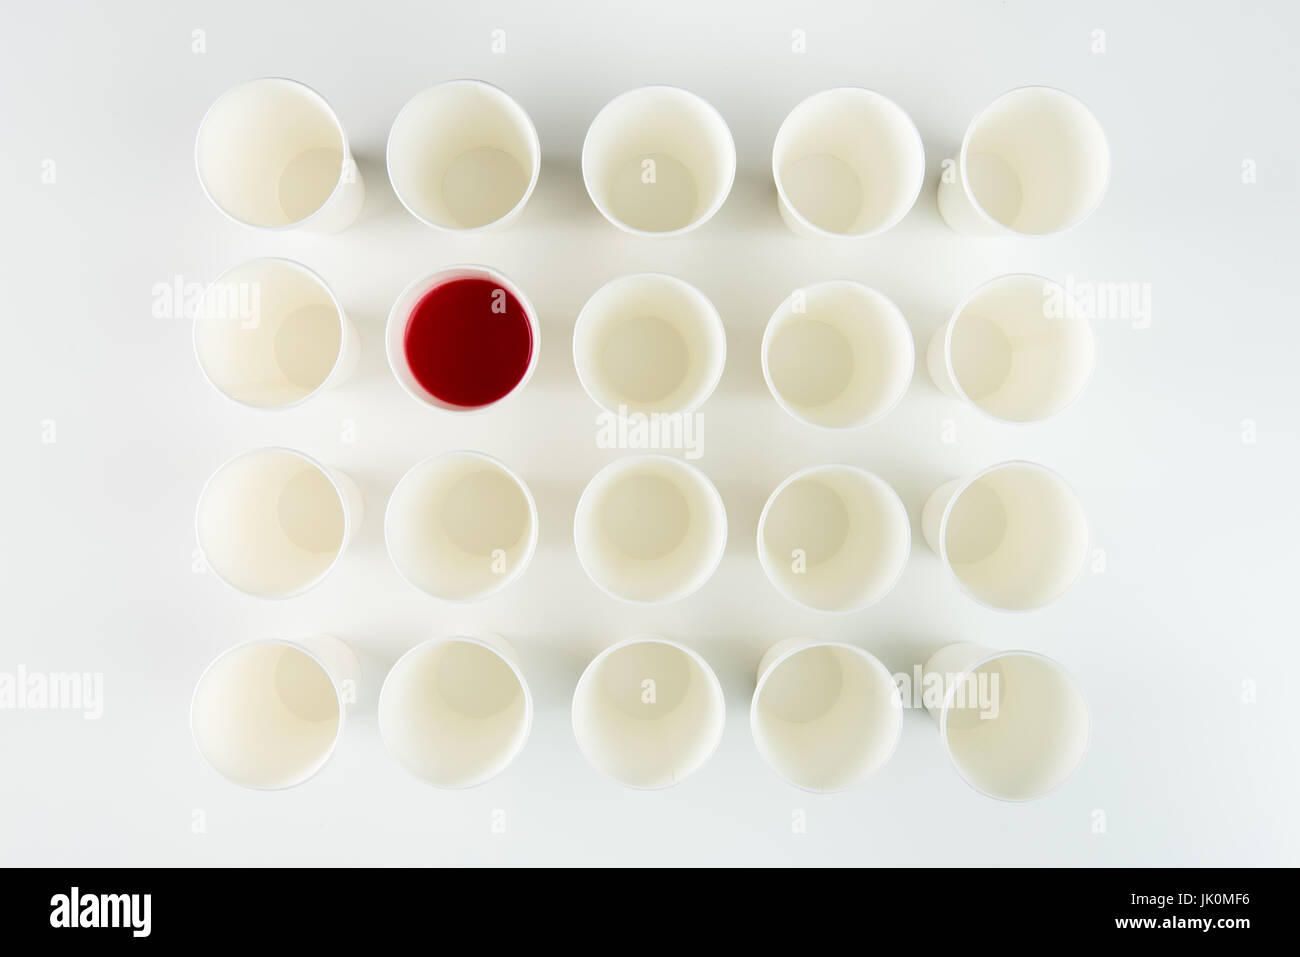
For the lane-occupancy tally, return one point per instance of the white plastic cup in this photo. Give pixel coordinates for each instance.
(269, 334)
(1014, 723)
(272, 522)
(825, 714)
(838, 355)
(847, 162)
(658, 161)
(463, 155)
(461, 526)
(1014, 536)
(272, 154)
(1035, 161)
(399, 318)
(649, 343)
(456, 711)
(834, 538)
(648, 712)
(1009, 353)
(650, 529)
(268, 714)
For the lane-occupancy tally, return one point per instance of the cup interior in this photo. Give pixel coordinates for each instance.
(461, 526)
(650, 529)
(1016, 727)
(454, 712)
(270, 152)
(649, 343)
(849, 162)
(271, 523)
(1016, 537)
(463, 155)
(1036, 161)
(834, 538)
(658, 160)
(268, 333)
(266, 715)
(838, 355)
(648, 713)
(826, 716)
(1016, 353)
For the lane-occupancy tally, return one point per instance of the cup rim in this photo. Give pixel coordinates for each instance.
(872, 662)
(343, 140)
(798, 216)
(348, 521)
(495, 464)
(950, 326)
(534, 173)
(807, 472)
(481, 641)
(310, 274)
(713, 494)
(981, 662)
(294, 645)
(432, 280)
(966, 483)
(896, 314)
(716, 693)
(714, 318)
(712, 211)
(980, 211)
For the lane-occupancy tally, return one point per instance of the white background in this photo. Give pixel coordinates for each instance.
(1198, 527)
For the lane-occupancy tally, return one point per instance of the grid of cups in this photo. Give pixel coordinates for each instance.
(463, 156)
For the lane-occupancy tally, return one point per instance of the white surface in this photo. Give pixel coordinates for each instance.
(1198, 528)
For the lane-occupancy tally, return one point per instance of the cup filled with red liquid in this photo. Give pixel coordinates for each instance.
(462, 338)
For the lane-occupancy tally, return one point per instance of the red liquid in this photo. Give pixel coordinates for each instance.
(468, 342)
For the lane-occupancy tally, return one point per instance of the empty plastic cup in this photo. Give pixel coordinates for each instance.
(648, 712)
(272, 522)
(1014, 723)
(650, 529)
(1014, 536)
(847, 162)
(658, 161)
(1006, 353)
(834, 538)
(269, 334)
(824, 715)
(461, 526)
(649, 343)
(463, 155)
(456, 711)
(1035, 161)
(838, 355)
(268, 714)
(272, 154)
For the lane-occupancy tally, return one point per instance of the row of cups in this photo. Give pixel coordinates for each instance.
(657, 161)
(835, 355)
(648, 712)
(649, 528)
